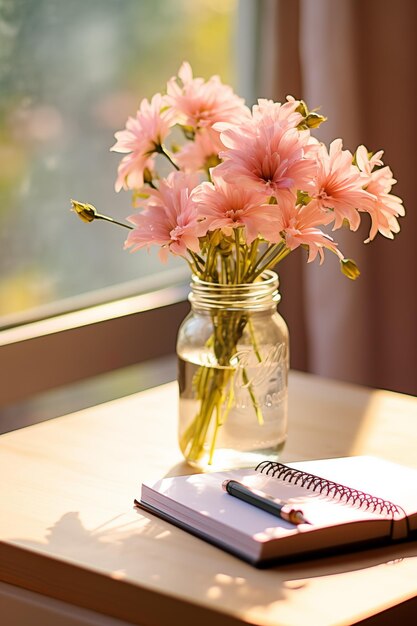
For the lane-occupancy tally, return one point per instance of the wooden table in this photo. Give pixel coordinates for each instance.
(69, 532)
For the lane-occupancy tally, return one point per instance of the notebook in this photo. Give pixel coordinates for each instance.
(348, 502)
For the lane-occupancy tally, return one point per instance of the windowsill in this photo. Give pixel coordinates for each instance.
(70, 348)
(88, 393)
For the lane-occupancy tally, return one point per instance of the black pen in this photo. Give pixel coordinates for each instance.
(264, 501)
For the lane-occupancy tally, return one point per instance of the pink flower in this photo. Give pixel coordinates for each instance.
(366, 161)
(339, 186)
(170, 219)
(385, 207)
(227, 206)
(299, 226)
(270, 112)
(267, 153)
(199, 104)
(200, 153)
(130, 173)
(140, 139)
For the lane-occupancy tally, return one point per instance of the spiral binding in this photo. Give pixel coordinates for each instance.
(329, 488)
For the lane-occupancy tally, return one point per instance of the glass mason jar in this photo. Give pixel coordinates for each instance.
(233, 360)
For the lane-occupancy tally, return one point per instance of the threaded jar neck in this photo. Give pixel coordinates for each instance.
(258, 296)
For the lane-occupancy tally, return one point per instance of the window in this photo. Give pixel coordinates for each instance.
(70, 74)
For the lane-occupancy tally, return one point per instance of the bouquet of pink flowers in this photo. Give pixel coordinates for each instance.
(270, 181)
(247, 187)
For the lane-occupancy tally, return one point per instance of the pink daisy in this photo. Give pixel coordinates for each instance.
(299, 226)
(386, 207)
(367, 161)
(199, 104)
(268, 111)
(267, 153)
(200, 153)
(170, 219)
(140, 140)
(339, 186)
(227, 206)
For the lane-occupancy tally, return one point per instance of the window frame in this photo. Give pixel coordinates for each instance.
(48, 353)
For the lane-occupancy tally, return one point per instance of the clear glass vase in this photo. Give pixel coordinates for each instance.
(233, 360)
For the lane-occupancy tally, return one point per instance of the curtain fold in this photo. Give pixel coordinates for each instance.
(355, 59)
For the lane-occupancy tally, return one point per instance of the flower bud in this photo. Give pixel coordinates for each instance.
(313, 119)
(349, 268)
(86, 212)
(302, 108)
(302, 197)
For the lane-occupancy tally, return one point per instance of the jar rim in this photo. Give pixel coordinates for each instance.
(268, 277)
(256, 296)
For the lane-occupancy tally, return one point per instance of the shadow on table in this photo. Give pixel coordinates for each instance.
(117, 547)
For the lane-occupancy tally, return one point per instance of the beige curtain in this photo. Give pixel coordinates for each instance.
(357, 60)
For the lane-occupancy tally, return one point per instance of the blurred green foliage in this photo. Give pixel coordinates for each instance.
(70, 74)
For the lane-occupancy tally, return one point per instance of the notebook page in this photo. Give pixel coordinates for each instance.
(384, 479)
(200, 501)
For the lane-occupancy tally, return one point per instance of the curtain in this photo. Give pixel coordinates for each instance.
(356, 60)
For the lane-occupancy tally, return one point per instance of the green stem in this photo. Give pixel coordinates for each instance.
(225, 269)
(221, 417)
(272, 262)
(252, 256)
(199, 263)
(206, 270)
(192, 267)
(210, 261)
(266, 253)
(237, 245)
(271, 257)
(203, 419)
(162, 150)
(255, 404)
(253, 340)
(110, 219)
